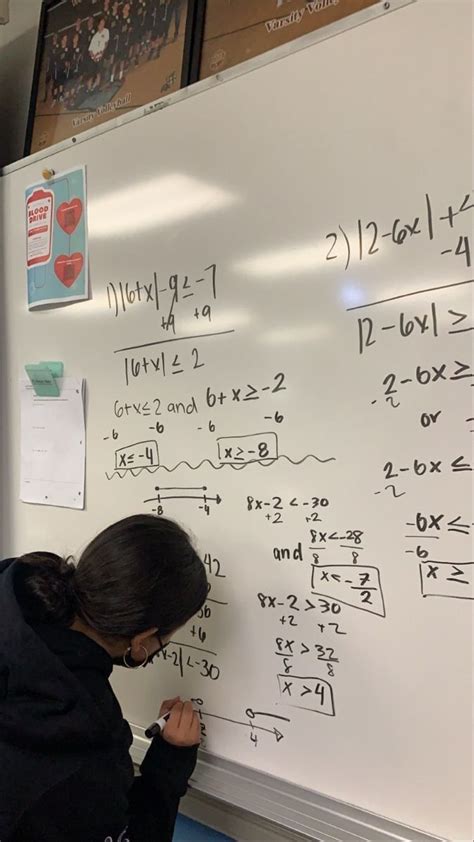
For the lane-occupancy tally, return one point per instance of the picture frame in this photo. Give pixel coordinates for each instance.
(236, 30)
(99, 59)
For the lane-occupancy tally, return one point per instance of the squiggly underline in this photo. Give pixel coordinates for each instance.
(265, 463)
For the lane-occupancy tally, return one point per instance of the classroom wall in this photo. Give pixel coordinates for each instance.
(17, 56)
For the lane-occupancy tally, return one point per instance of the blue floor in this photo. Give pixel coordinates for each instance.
(188, 830)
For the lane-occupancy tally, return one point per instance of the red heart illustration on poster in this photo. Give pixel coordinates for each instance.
(68, 215)
(68, 267)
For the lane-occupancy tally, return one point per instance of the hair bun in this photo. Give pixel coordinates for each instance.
(47, 592)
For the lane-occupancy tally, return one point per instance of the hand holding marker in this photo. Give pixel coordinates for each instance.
(178, 724)
(157, 726)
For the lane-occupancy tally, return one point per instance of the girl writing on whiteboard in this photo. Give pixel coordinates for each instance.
(66, 773)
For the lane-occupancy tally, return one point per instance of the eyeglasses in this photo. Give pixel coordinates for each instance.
(162, 647)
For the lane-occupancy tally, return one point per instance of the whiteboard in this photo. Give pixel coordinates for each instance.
(305, 408)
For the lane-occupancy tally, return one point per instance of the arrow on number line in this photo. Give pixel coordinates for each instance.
(279, 736)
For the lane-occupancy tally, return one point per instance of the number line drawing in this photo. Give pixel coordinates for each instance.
(276, 733)
(183, 497)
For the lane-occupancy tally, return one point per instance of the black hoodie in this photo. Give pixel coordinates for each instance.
(65, 769)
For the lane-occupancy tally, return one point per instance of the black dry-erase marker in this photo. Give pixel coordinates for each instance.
(157, 726)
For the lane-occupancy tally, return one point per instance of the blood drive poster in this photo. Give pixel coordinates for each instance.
(56, 239)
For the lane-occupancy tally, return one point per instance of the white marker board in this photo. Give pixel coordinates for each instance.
(326, 422)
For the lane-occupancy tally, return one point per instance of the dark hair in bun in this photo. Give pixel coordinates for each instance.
(139, 573)
(47, 589)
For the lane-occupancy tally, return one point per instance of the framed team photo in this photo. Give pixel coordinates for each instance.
(99, 59)
(237, 30)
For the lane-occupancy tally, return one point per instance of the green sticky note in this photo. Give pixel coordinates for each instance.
(56, 368)
(42, 380)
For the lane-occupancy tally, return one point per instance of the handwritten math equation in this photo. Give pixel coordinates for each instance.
(366, 238)
(203, 409)
(396, 386)
(319, 579)
(440, 574)
(310, 628)
(423, 321)
(169, 298)
(162, 364)
(194, 652)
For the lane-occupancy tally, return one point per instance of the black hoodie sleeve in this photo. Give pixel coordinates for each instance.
(155, 795)
(88, 806)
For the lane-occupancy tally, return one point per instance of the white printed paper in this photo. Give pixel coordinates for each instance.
(53, 445)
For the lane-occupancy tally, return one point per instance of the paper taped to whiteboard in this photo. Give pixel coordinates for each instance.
(53, 446)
